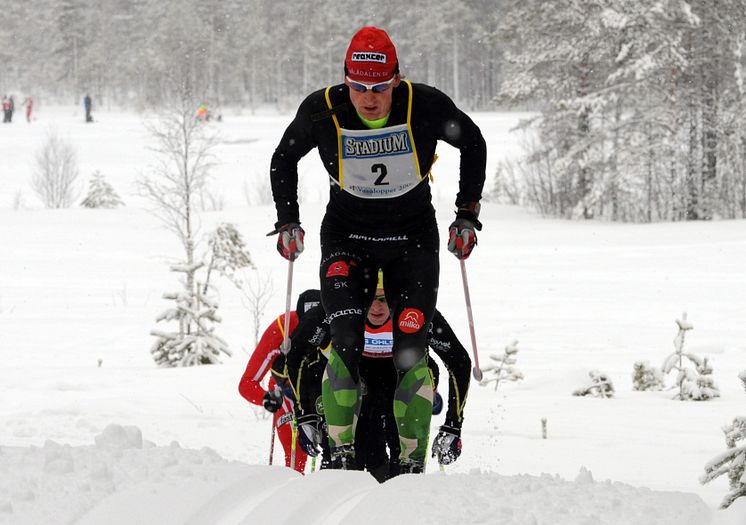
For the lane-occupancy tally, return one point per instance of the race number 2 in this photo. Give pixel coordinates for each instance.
(382, 171)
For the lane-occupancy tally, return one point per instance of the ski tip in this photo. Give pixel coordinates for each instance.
(477, 373)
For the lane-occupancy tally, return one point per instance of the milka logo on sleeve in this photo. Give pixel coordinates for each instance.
(366, 56)
(396, 143)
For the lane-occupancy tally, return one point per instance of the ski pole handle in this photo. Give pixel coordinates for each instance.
(476, 371)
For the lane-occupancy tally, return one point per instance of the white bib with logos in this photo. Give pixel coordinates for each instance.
(377, 163)
(378, 343)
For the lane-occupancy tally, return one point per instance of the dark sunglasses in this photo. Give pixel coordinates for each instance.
(381, 298)
(362, 87)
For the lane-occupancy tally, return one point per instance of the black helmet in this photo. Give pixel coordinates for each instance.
(306, 301)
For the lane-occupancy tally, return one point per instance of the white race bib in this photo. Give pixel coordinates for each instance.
(378, 343)
(378, 163)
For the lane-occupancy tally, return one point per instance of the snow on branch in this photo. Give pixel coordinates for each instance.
(731, 462)
(600, 386)
(502, 369)
(697, 383)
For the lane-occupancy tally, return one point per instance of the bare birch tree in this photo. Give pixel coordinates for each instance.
(173, 186)
(256, 295)
(55, 172)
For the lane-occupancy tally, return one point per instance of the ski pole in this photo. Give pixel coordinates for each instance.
(286, 335)
(476, 371)
(313, 464)
(272, 440)
(294, 438)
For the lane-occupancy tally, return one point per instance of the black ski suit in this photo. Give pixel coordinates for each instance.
(380, 214)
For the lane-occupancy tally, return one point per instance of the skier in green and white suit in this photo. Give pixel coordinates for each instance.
(377, 428)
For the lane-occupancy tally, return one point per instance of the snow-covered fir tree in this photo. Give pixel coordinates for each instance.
(101, 194)
(732, 462)
(228, 254)
(600, 386)
(194, 342)
(502, 369)
(697, 383)
(646, 377)
(638, 106)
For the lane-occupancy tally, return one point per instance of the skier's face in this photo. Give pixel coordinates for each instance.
(378, 313)
(372, 103)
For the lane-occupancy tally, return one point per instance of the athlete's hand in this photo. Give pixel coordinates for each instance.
(290, 240)
(462, 238)
(447, 444)
(437, 403)
(309, 434)
(272, 400)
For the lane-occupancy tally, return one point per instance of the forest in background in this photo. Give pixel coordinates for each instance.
(236, 52)
(642, 108)
(638, 105)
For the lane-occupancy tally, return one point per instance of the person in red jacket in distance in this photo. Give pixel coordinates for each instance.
(272, 399)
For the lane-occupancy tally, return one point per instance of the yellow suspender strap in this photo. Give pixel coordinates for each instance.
(409, 128)
(296, 387)
(460, 402)
(339, 138)
(306, 363)
(280, 321)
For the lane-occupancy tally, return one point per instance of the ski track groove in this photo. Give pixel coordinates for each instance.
(234, 504)
(340, 514)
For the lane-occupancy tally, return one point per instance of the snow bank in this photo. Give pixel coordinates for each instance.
(123, 479)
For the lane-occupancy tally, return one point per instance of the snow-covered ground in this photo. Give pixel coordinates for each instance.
(92, 432)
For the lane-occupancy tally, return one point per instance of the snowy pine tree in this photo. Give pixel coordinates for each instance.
(646, 377)
(639, 105)
(503, 369)
(733, 461)
(600, 386)
(194, 342)
(100, 193)
(696, 384)
(228, 254)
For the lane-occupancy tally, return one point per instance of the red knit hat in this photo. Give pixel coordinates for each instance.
(371, 56)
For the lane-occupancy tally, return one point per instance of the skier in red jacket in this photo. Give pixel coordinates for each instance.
(272, 399)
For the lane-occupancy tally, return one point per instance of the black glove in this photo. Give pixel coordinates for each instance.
(461, 235)
(462, 238)
(447, 444)
(309, 434)
(272, 401)
(290, 241)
